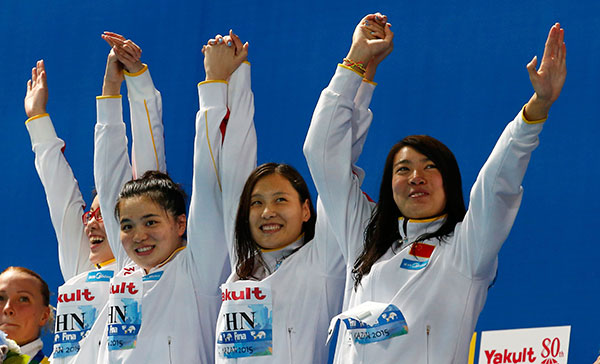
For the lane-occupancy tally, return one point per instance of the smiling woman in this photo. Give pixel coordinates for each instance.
(25, 309)
(151, 212)
(418, 265)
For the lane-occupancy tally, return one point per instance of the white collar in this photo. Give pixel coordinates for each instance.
(32, 348)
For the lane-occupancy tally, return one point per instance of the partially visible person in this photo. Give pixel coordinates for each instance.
(25, 310)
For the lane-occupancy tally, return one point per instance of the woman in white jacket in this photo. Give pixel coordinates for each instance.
(269, 314)
(418, 265)
(86, 259)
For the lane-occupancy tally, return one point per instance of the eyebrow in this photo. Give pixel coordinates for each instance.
(407, 161)
(143, 217)
(279, 193)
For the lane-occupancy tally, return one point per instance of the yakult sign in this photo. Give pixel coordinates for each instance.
(545, 345)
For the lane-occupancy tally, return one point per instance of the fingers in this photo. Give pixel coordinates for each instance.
(124, 56)
(33, 75)
(389, 35)
(114, 35)
(531, 67)
(236, 41)
(29, 85)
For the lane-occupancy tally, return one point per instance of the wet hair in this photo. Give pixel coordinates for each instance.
(44, 290)
(382, 230)
(246, 248)
(159, 188)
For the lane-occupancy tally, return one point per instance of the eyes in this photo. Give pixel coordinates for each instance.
(125, 227)
(20, 299)
(403, 169)
(255, 203)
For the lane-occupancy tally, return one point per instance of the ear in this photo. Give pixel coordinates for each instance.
(45, 316)
(181, 222)
(306, 211)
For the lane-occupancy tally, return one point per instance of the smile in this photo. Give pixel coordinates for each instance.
(96, 240)
(417, 194)
(270, 228)
(144, 250)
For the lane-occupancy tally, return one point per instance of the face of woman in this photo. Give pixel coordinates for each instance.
(276, 213)
(22, 304)
(100, 251)
(417, 185)
(148, 232)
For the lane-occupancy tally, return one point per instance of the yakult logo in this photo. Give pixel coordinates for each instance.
(551, 350)
(123, 288)
(78, 295)
(243, 294)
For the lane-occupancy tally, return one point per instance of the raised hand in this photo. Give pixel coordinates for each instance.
(124, 54)
(127, 52)
(37, 91)
(366, 43)
(548, 80)
(223, 55)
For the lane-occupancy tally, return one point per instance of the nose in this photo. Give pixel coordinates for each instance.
(139, 235)
(416, 178)
(8, 309)
(268, 212)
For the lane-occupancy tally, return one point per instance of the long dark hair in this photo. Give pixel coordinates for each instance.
(246, 248)
(382, 230)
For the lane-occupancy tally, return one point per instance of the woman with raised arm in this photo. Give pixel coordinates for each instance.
(419, 265)
(163, 306)
(86, 259)
(268, 315)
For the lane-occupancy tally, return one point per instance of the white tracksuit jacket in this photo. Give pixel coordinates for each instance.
(180, 298)
(301, 295)
(85, 292)
(441, 288)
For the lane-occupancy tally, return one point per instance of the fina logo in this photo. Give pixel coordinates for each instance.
(100, 276)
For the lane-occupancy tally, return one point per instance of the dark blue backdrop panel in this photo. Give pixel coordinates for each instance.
(457, 72)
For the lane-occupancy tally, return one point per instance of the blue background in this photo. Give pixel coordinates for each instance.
(457, 73)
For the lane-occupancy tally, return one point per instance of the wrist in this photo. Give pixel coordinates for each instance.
(111, 88)
(536, 108)
(135, 68)
(358, 54)
(35, 112)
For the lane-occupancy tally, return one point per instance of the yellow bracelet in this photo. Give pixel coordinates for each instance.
(359, 66)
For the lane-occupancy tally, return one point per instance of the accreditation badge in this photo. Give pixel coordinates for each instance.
(368, 323)
(125, 311)
(245, 324)
(77, 309)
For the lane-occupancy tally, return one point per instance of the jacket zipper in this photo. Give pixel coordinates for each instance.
(169, 341)
(290, 344)
(428, 330)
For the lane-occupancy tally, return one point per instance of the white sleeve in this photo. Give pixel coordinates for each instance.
(361, 121)
(495, 198)
(239, 150)
(206, 235)
(324, 236)
(328, 151)
(65, 202)
(111, 167)
(145, 106)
